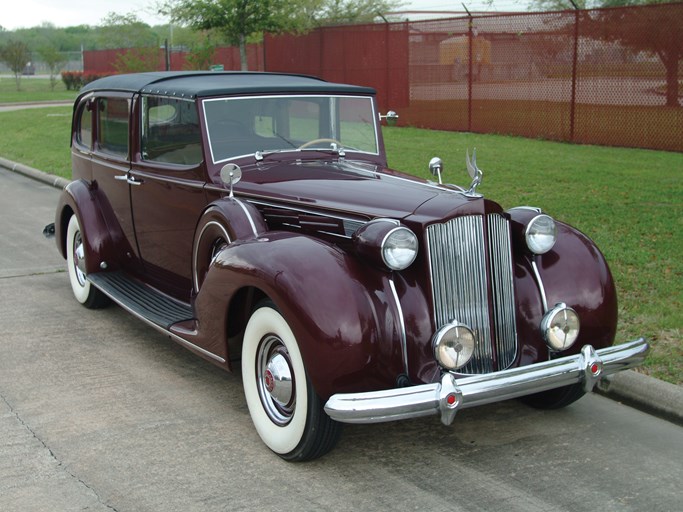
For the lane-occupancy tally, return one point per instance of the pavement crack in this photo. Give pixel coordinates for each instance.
(28, 428)
(37, 273)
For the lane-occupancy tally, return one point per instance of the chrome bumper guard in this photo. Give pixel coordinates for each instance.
(451, 394)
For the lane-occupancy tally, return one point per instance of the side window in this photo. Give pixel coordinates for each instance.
(112, 126)
(84, 132)
(170, 131)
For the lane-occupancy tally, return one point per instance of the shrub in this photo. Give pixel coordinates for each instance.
(74, 80)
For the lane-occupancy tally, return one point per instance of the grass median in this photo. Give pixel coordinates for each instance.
(629, 201)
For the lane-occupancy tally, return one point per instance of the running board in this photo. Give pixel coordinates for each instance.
(141, 300)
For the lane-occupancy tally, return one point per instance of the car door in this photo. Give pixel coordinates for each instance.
(110, 166)
(167, 189)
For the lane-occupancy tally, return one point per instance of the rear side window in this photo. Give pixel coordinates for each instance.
(84, 133)
(112, 126)
(170, 131)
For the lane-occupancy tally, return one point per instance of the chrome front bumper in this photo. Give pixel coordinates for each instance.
(451, 394)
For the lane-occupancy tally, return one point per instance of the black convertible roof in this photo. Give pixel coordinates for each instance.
(200, 84)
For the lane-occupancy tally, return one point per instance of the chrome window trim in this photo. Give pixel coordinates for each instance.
(332, 96)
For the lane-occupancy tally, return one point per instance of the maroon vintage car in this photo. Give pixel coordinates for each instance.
(251, 217)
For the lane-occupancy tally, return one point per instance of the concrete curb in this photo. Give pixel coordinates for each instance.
(49, 179)
(637, 390)
(645, 393)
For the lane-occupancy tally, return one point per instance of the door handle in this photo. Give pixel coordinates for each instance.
(131, 180)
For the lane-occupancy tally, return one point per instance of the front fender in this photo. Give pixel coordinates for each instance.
(227, 219)
(338, 307)
(576, 272)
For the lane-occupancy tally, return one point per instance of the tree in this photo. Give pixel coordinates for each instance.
(238, 21)
(126, 31)
(201, 54)
(54, 60)
(137, 60)
(16, 55)
(338, 12)
(235, 20)
(633, 29)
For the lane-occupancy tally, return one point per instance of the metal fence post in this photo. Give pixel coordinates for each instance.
(572, 104)
(469, 69)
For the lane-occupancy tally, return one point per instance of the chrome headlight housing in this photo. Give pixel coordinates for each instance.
(540, 234)
(399, 248)
(453, 345)
(560, 327)
(386, 243)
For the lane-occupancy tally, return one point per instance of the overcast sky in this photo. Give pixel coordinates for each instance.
(67, 13)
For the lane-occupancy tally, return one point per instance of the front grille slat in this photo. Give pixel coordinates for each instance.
(461, 279)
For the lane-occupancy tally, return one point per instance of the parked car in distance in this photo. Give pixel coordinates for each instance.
(251, 217)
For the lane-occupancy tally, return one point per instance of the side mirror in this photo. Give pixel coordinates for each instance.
(230, 175)
(391, 117)
(436, 167)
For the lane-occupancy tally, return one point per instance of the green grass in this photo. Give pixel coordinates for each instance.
(629, 201)
(38, 138)
(32, 89)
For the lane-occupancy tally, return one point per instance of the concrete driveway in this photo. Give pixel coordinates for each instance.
(100, 412)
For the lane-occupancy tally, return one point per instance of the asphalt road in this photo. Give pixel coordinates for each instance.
(99, 412)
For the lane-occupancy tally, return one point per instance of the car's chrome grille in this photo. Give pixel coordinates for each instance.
(461, 278)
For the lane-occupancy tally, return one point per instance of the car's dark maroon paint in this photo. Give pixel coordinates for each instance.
(359, 325)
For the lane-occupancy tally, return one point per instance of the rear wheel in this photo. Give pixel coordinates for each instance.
(286, 411)
(555, 398)
(83, 290)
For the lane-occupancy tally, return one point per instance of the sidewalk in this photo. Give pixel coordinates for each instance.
(637, 390)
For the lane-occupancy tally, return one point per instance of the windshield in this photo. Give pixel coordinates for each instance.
(243, 126)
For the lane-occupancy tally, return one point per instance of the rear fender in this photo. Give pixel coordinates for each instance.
(101, 231)
(338, 307)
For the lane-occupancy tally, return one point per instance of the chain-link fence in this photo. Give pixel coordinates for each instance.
(603, 76)
(68, 61)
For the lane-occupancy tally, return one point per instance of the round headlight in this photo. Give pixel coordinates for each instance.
(541, 234)
(560, 327)
(453, 346)
(399, 248)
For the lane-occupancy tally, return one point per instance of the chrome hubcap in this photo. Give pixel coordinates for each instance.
(79, 259)
(275, 380)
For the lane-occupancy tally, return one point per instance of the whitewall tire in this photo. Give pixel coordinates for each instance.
(286, 411)
(82, 289)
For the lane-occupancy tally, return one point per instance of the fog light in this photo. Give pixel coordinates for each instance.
(453, 346)
(560, 327)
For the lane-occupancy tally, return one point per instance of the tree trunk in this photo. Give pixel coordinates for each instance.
(243, 53)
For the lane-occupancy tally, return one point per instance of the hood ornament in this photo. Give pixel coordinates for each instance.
(474, 172)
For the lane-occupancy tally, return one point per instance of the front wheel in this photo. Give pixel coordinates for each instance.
(286, 411)
(83, 290)
(555, 398)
